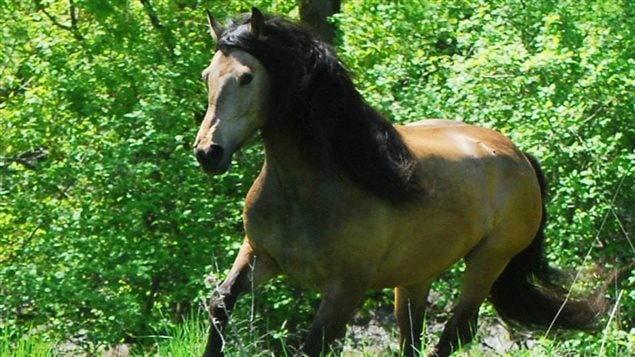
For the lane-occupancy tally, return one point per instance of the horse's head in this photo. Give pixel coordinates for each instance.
(237, 97)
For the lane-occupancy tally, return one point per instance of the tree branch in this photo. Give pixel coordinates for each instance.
(154, 20)
(27, 159)
(73, 11)
(152, 14)
(25, 163)
(72, 28)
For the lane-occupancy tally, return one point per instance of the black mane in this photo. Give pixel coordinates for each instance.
(313, 95)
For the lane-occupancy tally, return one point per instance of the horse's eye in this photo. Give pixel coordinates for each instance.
(245, 78)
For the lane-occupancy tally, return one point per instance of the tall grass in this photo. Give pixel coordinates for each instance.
(26, 345)
(183, 340)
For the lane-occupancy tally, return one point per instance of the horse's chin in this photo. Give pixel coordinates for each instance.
(215, 172)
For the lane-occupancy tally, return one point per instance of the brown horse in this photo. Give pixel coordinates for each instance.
(347, 202)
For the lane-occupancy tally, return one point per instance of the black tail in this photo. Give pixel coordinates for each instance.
(527, 292)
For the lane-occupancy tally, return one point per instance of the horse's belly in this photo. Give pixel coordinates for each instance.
(315, 248)
(422, 249)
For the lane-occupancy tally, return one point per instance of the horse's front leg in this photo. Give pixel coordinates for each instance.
(410, 307)
(249, 270)
(339, 301)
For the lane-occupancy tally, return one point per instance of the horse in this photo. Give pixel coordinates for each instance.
(346, 201)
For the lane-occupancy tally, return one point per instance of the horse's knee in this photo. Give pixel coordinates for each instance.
(219, 310)
(220, 305)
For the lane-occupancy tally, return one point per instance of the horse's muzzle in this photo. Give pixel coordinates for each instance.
(212, 159)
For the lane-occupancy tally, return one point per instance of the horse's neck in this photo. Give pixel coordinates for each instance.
(288, 161)
(284, 157)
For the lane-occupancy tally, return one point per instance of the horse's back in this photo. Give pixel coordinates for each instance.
(467, 157)
(457, 140)
(436, 123)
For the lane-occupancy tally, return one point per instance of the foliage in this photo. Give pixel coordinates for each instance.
(108, 227)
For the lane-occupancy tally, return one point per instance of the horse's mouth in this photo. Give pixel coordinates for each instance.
(215, 171)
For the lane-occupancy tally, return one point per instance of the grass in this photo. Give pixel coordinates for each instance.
(188, 339)
(29, 345)
(183, 340)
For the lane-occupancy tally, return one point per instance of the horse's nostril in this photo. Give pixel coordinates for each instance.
(211, 155)
(215, 153)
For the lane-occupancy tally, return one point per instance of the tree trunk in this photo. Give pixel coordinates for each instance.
(315, 14)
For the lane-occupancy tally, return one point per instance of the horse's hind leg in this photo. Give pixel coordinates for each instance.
(410, 306)
(248, 271)
(483, 266)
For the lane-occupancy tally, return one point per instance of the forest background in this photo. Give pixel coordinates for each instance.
(108, 228)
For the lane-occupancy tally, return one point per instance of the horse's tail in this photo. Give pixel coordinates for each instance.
(528, 291)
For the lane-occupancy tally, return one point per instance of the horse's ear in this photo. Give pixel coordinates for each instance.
(215, 28)
(257, 22)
